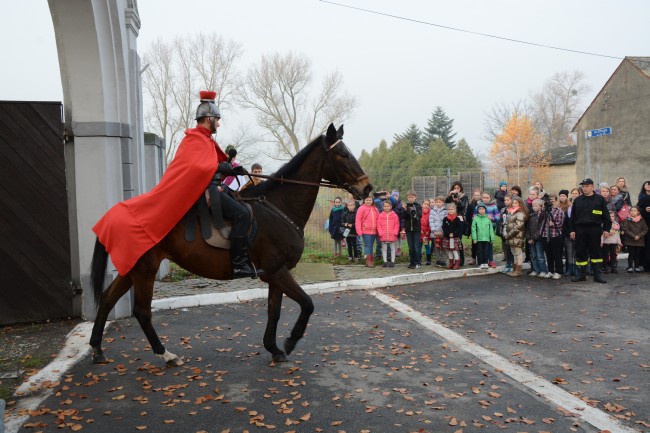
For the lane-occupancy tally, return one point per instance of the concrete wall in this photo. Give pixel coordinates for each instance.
(623, 105)
(96, 43)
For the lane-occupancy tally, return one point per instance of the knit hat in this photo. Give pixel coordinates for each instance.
(395, 193)
(481, 205)
(564, 191)
(503, 182)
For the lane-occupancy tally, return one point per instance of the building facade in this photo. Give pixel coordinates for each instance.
(623, 104)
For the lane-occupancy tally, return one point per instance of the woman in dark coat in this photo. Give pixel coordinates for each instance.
(336, 215)
(644, 206)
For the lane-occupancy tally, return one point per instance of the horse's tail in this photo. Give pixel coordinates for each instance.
(98, 270)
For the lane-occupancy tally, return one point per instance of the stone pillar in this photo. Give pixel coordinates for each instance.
(154, 168)
(96, 42)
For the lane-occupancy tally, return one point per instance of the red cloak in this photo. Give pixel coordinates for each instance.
(132, 227)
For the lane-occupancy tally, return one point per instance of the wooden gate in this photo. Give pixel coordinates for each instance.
(35, 272)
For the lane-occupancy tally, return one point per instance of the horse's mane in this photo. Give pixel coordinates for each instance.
(285, 171)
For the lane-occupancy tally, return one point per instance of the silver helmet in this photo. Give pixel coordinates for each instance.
(207, 107)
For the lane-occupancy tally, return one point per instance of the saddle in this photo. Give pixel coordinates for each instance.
(215, 231)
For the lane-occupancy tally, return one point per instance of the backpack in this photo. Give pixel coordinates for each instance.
(624, 212)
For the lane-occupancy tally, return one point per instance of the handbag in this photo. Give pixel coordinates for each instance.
(624, 212)
(345, 231)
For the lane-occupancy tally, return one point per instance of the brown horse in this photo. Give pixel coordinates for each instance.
(281, 210)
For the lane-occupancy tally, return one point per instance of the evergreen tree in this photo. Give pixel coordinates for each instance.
(413, 135)
(440, 126)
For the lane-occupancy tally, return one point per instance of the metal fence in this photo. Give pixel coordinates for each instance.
(554, 179)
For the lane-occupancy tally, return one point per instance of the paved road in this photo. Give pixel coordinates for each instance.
(366, 367)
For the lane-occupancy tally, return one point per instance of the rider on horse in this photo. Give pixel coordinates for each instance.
(208, 116)
(132, 227)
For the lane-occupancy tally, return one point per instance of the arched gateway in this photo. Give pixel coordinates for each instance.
(100, 71)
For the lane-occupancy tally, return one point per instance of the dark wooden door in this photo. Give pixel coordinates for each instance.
(35, 272)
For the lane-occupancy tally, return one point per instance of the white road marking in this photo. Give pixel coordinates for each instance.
(76, 347)
(541, 386)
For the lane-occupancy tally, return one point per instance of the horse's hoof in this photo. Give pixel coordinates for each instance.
(100, 359)
(280, 357)
(175, 362)
(289, 345)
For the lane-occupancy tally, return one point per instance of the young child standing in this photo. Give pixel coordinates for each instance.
(551, 237)
(347, 223)
(336, 215)
(507, 251)
(515, 233)
(635, 230)
(609, 242)
(537, 259)
(388, 230)
(482, 235)
(366, 225)
(452, 231)
(411, 217)
(493, 214)
(425, 230)
(437, 214)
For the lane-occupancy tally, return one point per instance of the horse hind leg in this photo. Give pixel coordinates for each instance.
(107, 301)
(142, 311)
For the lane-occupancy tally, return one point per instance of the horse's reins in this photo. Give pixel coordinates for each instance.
(262, 199)
(326, 184)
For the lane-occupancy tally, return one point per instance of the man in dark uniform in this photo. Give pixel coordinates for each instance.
(589, 220)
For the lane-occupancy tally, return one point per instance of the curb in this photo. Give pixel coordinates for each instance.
(319, 288)
(39, 386)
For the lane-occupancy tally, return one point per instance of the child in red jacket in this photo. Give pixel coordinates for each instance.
(388, 229)
(425, 229)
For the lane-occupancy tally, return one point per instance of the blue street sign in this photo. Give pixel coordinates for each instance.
(598, 132)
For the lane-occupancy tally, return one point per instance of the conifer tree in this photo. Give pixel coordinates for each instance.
(440, 126)
(413, 135)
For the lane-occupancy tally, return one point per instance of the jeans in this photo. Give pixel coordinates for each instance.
(553, 248)
(483, 252)
(537, 259)
(415, 250)
(368, 241)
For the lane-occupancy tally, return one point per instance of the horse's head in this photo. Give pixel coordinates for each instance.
(341, 167)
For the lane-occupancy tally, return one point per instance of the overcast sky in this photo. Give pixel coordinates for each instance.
(398, 70)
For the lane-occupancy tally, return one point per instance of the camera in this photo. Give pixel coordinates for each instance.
(454, 195)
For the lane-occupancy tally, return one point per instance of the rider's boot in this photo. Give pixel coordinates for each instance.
(241, 264)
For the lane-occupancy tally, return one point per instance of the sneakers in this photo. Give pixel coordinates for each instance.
(630, 270)
(545, 275)
(483, 266)
(391, 264)
(384, 265)
(411, 266)
(533, 274)
(556, 276)
(418, 267)
(637, 270)
(492, 264)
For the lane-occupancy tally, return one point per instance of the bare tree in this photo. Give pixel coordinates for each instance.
(500, 115)
(557, 106)
(176, 73)
(279, 89)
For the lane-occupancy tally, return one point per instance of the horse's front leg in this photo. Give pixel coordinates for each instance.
(273, 313)
(292, 289)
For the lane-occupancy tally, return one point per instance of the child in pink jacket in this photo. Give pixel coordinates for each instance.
(388, 229)
(366, 226)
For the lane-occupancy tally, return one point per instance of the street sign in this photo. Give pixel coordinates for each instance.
(598, 132)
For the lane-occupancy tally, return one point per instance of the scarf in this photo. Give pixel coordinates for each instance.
(337, 208)
(513, 210)
(636, 219)
(452, 217)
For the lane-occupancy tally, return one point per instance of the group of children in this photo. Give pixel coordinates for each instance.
(537, 226)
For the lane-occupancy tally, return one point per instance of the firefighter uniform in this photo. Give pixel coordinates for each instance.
(589, 219)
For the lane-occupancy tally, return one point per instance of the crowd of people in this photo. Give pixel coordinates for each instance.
(572, 233)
